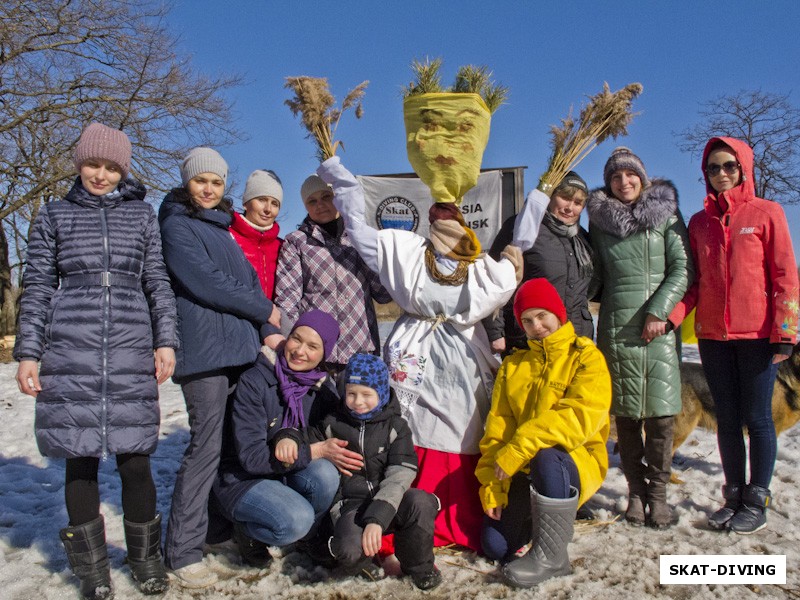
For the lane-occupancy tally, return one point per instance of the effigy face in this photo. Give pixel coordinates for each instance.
(446, 134)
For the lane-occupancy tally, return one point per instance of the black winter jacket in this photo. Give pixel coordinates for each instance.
(95, 334)
(251, 428)
(221, 305)
(390, 462)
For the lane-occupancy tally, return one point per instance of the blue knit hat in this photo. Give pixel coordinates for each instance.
(371, 371)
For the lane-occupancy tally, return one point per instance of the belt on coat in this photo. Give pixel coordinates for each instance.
(102, 279)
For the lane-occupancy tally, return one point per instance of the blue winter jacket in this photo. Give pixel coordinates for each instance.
(221, 305)
(97, 301)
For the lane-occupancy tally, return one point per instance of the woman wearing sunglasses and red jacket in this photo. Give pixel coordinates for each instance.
(746, 294)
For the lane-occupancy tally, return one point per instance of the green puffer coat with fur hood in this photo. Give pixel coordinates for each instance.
(643, 265)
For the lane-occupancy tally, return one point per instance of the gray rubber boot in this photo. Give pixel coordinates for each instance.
(144, 555)
(552, 523)
(88, 556)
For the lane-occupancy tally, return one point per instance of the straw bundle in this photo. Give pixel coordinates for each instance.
(317, 107)
(607, 114)
(469, 79)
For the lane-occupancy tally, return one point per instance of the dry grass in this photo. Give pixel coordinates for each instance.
(316, 105)
(607, 114)
(470, 79)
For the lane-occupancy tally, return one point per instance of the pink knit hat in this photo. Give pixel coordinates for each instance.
(99, 141)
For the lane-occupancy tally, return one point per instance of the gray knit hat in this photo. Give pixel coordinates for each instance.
(100, 141)
(262, 183)
(623, 158)
(572, 179)
(203, 160)
(313, 183)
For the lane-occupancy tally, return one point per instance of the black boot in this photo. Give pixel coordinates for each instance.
(429, 580)
(253, 552)
(631, 455)
(88, 556)
(658, 454)
(552, 522)
(720, 519)
(752, 514)
(144, 555)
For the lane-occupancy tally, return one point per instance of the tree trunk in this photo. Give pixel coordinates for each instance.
(8, 294)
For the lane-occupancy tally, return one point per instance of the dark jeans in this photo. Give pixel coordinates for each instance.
(206, 396)
(412, 527)
(552, 474)
(82, 494)
(741, 378)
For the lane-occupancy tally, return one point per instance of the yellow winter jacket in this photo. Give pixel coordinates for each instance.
(556, 393)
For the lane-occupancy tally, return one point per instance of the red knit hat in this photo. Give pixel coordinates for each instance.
(538, 293)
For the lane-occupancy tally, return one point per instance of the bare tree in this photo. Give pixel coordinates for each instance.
(769, 124)
(65, 63)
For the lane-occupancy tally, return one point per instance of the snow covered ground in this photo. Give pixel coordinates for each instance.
(609, 558)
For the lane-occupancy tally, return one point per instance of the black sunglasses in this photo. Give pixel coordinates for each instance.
(729, 167)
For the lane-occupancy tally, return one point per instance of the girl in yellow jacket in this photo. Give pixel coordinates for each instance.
(544, 449)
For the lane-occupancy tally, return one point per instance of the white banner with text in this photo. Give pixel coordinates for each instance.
(403, 203)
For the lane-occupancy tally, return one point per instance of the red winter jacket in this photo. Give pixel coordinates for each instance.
(746, 276)
(261, 249)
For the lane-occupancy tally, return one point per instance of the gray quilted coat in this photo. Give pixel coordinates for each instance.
(643, 263)
(94, 334)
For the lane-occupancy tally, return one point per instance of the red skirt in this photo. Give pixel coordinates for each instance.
(452, 478)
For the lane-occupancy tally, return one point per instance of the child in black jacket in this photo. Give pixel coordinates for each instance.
(378, 499)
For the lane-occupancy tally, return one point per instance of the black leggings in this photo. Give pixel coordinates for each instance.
(82, 493)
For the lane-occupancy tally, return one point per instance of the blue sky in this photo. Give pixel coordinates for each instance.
(550, 54)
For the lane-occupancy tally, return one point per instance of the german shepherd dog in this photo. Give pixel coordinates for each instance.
(698, 407)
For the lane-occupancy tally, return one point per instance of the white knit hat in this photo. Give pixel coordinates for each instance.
(262, 183)
(203, 160)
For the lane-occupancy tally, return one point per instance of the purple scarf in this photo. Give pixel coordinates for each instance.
(294, 386)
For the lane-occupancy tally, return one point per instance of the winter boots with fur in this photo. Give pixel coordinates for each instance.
(552, 528)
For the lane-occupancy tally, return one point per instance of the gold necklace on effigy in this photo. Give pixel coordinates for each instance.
(457, 277)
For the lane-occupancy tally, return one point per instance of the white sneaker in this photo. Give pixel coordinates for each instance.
(195, 576)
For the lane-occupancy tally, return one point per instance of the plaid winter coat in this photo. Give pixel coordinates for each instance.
(316, 270)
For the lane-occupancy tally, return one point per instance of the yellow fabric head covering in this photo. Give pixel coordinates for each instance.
(446, 134)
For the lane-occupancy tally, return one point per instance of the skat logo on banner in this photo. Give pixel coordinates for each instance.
(396, 212)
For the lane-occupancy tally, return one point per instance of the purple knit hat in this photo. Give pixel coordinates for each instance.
(324, 324)
(100, 141)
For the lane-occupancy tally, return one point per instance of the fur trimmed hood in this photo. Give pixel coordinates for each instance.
(658, 203)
